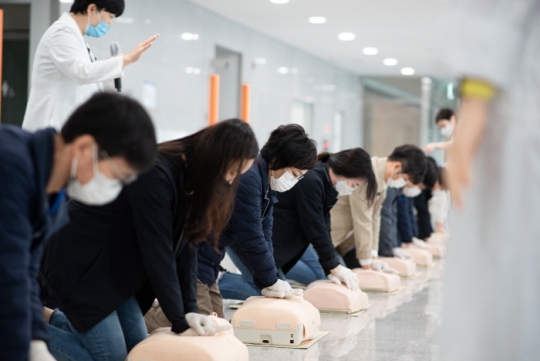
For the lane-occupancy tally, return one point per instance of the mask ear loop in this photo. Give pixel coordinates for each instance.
(74, 165)
(96, 161)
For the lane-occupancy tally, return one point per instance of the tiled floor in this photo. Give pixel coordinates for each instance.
(397, 327)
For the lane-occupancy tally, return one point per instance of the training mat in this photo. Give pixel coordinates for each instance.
(303, 346)
(385, 292)
(337, 313)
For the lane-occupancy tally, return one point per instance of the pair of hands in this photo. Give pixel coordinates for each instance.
(380, 266)
(281, 289)
(202, 325)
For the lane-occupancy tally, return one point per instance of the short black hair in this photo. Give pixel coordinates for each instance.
(432, 173)
(413, 161)
(115, 7)
(290, 146)
(120, 126)
(444, 114)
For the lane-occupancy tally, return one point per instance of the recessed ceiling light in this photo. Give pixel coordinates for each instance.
(317, 20)
(190, 70)
(66, 1)
(390, 62)
(407, 71)
(283, 70)
(371, 51)
(279, 1)
(346, 36)
(189, 36)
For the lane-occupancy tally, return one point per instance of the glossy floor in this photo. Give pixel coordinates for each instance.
(399, 327)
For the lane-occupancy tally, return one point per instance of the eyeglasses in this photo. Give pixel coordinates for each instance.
(125, 180)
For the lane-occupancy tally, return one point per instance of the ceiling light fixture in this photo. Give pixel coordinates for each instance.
(189, 36)
(390, 62)
(407, 71)
(370, 51)
(279, 1)
(283, 70)
(317, 20)
(346, 36)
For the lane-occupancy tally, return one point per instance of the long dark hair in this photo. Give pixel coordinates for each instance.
(353, 163)
(207, 156)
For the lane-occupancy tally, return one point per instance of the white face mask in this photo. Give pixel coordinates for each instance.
(343, 188)
(447, 131)
(412, 192)
(284, 183)
(396, 183)
(98, 191)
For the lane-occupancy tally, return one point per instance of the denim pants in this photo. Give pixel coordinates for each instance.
(307, 269)
(109, 340)
(240, 287)
(237, 287)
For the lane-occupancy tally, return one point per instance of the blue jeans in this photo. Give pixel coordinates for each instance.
(237, 287)
(241, 287)
(109, 340)
(307, 269)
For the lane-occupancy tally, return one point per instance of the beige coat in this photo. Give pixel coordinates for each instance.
(355, 223)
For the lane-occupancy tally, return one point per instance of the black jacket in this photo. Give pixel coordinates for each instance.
(301, 217)
(249, 232)
(424, 218)
(26, 162)
(108, 254)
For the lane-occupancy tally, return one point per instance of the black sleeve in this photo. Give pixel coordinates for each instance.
(405, 231)
(309, 199)
(187, 268)
(424, 218)
(152, 202)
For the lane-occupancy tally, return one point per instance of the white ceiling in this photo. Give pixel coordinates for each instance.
(401, 29)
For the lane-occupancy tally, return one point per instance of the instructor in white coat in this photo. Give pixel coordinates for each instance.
(65, 72)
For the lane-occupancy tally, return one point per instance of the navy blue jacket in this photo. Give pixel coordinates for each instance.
(406, 220)
(26, 162)
(388, 235)
(249, 232)
(301, 217)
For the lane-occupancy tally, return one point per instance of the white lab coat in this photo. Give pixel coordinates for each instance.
(491, 303)
(65, 74)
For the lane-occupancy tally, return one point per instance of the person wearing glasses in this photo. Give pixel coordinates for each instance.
(282, 163)
(66, 72)
(106, 269)
(103, 145)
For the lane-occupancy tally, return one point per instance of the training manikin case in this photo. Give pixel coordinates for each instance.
(275, 321)
(422, 257)
(163, 345)
(330, 297)
(377, 281)
(405, 267)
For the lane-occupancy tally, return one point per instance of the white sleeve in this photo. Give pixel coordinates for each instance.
(484, 38)
(66, 53)
(438, 207)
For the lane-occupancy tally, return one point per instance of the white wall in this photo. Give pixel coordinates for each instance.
(182, 103)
